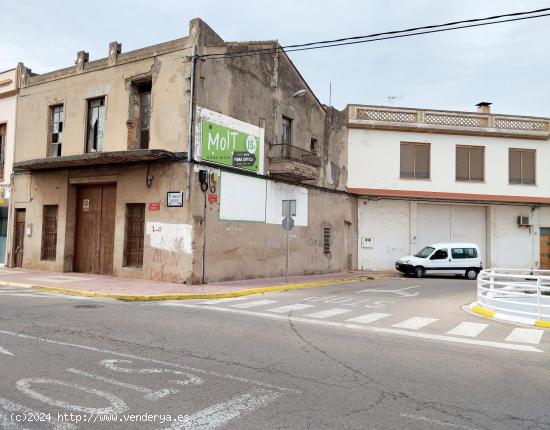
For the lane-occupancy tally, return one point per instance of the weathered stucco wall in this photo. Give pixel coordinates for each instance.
(168, 240)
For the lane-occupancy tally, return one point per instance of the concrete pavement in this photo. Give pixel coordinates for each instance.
(126, 289)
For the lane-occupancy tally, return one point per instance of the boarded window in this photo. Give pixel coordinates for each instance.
(326, 240)
(521, 166)
(2, 149)
(49, 232)
(56, 130)
(313, 145)
(133, 235)
(96, 120)
(415, 160)
(470, 161)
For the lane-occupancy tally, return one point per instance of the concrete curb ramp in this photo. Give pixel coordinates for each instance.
(187, 296)
(499, 316)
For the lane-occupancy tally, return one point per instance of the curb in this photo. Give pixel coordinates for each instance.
(489, 313)
(188, 296)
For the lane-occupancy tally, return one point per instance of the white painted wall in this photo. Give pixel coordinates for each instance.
(386, 222)
(373, 162)
(276, 193)
(242, 198)
(513, 247)
(8, 108)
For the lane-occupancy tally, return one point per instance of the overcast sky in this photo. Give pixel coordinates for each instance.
(507, 64)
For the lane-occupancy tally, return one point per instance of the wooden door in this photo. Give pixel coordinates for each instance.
(95, 228)
(19, 242)
(545, 248)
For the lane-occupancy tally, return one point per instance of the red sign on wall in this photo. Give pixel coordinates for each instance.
(154, 206)
(213, 198)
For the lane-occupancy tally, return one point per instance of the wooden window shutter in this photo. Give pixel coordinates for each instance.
(422, 161)
(134, 235)
(514, 166)
(462, 163)
(49, 232)
(477, 162)
(407, 160)
(528, 167)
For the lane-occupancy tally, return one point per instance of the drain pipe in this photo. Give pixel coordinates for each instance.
(191, 123)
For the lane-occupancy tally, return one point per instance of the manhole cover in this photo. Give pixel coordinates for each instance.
(88, 306)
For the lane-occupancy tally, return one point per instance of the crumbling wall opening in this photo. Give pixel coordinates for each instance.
(139, 112)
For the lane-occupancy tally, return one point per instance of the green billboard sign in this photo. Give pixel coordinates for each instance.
(230, 147)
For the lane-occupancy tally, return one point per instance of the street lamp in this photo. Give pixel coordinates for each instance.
(299, 93)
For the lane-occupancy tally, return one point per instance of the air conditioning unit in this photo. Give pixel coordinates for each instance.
(523, 221)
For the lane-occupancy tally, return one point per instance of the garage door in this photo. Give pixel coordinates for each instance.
(451, 223)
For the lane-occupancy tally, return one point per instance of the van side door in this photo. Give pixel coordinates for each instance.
(439, 262)
(464, 258)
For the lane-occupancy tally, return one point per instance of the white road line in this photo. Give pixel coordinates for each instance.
(368, 318)
(468, 329)
(149, 394)
(525, 335)
(5, 351)
(152, 360)
(328, 313)
(253, 304)
(415, 323)
(289, 308)
(366, 328)
(218, 415)
(217, 301)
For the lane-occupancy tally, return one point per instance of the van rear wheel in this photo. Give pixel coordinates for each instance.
(471, 274)
(418, 272)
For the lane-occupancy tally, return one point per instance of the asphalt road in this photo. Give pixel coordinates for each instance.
(392, 354)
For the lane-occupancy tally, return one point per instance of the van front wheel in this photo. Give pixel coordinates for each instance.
(471, 274)
(418, 272)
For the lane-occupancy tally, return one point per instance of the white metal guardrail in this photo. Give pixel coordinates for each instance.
(525, 293)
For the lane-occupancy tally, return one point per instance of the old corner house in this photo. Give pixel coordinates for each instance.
(111, 179)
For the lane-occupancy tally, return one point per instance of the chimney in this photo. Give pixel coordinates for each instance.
(484, 107)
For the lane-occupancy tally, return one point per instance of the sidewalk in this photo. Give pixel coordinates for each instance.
(84, 284)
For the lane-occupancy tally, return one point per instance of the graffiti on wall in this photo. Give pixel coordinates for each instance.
(170, 243)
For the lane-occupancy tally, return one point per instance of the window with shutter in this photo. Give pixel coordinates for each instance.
(134, 234)
(415, 160)
(49, 232)
(470, 162)
(521, 166)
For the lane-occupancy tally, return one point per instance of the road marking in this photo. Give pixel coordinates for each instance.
(289, 308)
(366, 328)
(368, 318)
(218, 415)
(149, 394)
(217, 301)
(468, 329)
(436, 422)
(253, 304)
(400, 292)
(5, 351)
(328, 313)
(152, 360)
(415, 323)
(116, 404)
(525, 335)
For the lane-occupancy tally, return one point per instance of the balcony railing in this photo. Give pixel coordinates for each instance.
(467, 122)
(293, 153)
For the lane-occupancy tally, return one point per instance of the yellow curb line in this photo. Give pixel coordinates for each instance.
(189, 296)
(482, 311)
(541, 323)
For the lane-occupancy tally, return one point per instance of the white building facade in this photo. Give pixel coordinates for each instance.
(426, 176)
(9, 86)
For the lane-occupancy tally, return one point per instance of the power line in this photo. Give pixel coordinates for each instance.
(519, 16)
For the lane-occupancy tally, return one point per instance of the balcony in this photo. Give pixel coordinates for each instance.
(448, 122)
(292, 163)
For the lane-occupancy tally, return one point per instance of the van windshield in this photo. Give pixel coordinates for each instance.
(425, 252)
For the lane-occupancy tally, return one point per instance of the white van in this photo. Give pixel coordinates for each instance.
(444, 259)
